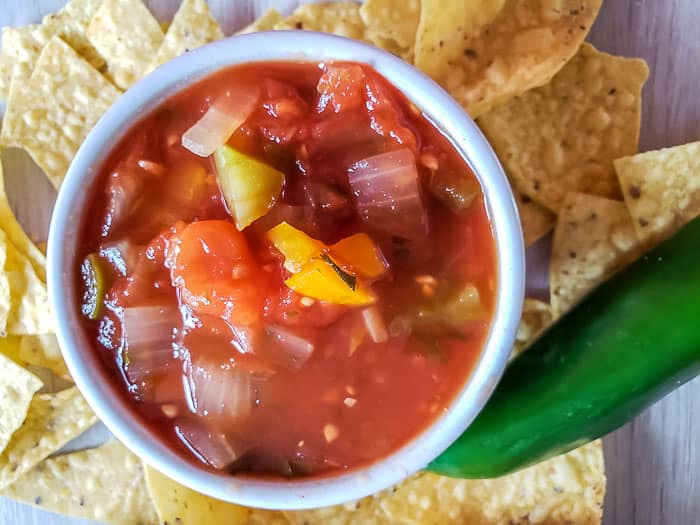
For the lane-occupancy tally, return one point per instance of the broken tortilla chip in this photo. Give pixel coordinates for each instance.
(128, 37)
(338, 18)
(536, 316)
(593, 238)
(17, 388)
(565, 489)
(192, 27)
(484, 55)
(21, 46)
(104, 484)
(564, 136)
(661, 189)
(43, 350)
(536, 220)
(52, 421)
(392, 25)
(266, 22)
(64, 99)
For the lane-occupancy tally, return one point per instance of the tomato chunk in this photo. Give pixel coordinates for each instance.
(215, 273)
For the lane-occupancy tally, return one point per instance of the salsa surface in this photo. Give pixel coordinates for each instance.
(306, 298)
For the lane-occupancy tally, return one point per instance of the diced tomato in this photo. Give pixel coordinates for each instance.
(215, 273)
(386, 116)
(340, 88)
(283, 119)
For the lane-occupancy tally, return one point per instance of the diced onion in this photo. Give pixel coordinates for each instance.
(223, 117)
(375, 324)
(216, 390)
(147, 332)
(290, 350)
(215, 448)
(388, 195)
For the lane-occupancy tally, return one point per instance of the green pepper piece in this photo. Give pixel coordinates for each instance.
(623, 347)
(94, 283)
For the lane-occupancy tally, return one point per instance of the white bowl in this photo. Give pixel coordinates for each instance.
(445, 114)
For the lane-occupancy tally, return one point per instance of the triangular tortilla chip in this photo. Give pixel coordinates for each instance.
(21, 45)
(43, 350)
(17, 387)
(128, 37)
(564, 136)
(484, 56)
(338, 18)
(104, 484)
(661, 189)
(192, 27)
(29, 311)
(266, 22)
(392, 25)
(52, 421)
(593, 238)
(64, 99)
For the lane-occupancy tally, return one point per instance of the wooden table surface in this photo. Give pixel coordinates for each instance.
(654, 462)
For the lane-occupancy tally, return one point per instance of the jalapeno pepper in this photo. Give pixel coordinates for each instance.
(623, 347)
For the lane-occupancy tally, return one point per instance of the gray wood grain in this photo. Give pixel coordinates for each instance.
(653, 463)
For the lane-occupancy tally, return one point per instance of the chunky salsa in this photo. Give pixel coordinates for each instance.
(286, 269)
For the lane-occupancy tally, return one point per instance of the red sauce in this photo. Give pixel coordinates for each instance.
(353, 401)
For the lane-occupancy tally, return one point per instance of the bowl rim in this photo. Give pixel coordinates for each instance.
(443, 112)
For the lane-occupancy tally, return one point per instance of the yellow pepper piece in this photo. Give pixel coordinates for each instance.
(297, 247)
(319, 280)
(359, 256)
(250, 187)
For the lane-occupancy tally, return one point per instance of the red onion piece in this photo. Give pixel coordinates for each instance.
(215, 448)
(219, 390)
(388, 194)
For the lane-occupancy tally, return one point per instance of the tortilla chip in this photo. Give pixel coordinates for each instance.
(52, 421)
(565, 489)
(64, 99)
(265, 23)
(43, 350)
(338, 18)
(593, 238)
(10, 346)
(537, 315)
(536, 220)
(392, 25)
(483, 63)
(29, 311)
(17, 236)
(104, 484)
(564, 136)
(661, 189)
(128, 37)
(192, 27)
(178, 504)
(443, 28)
(17, 387)
(21, 45)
